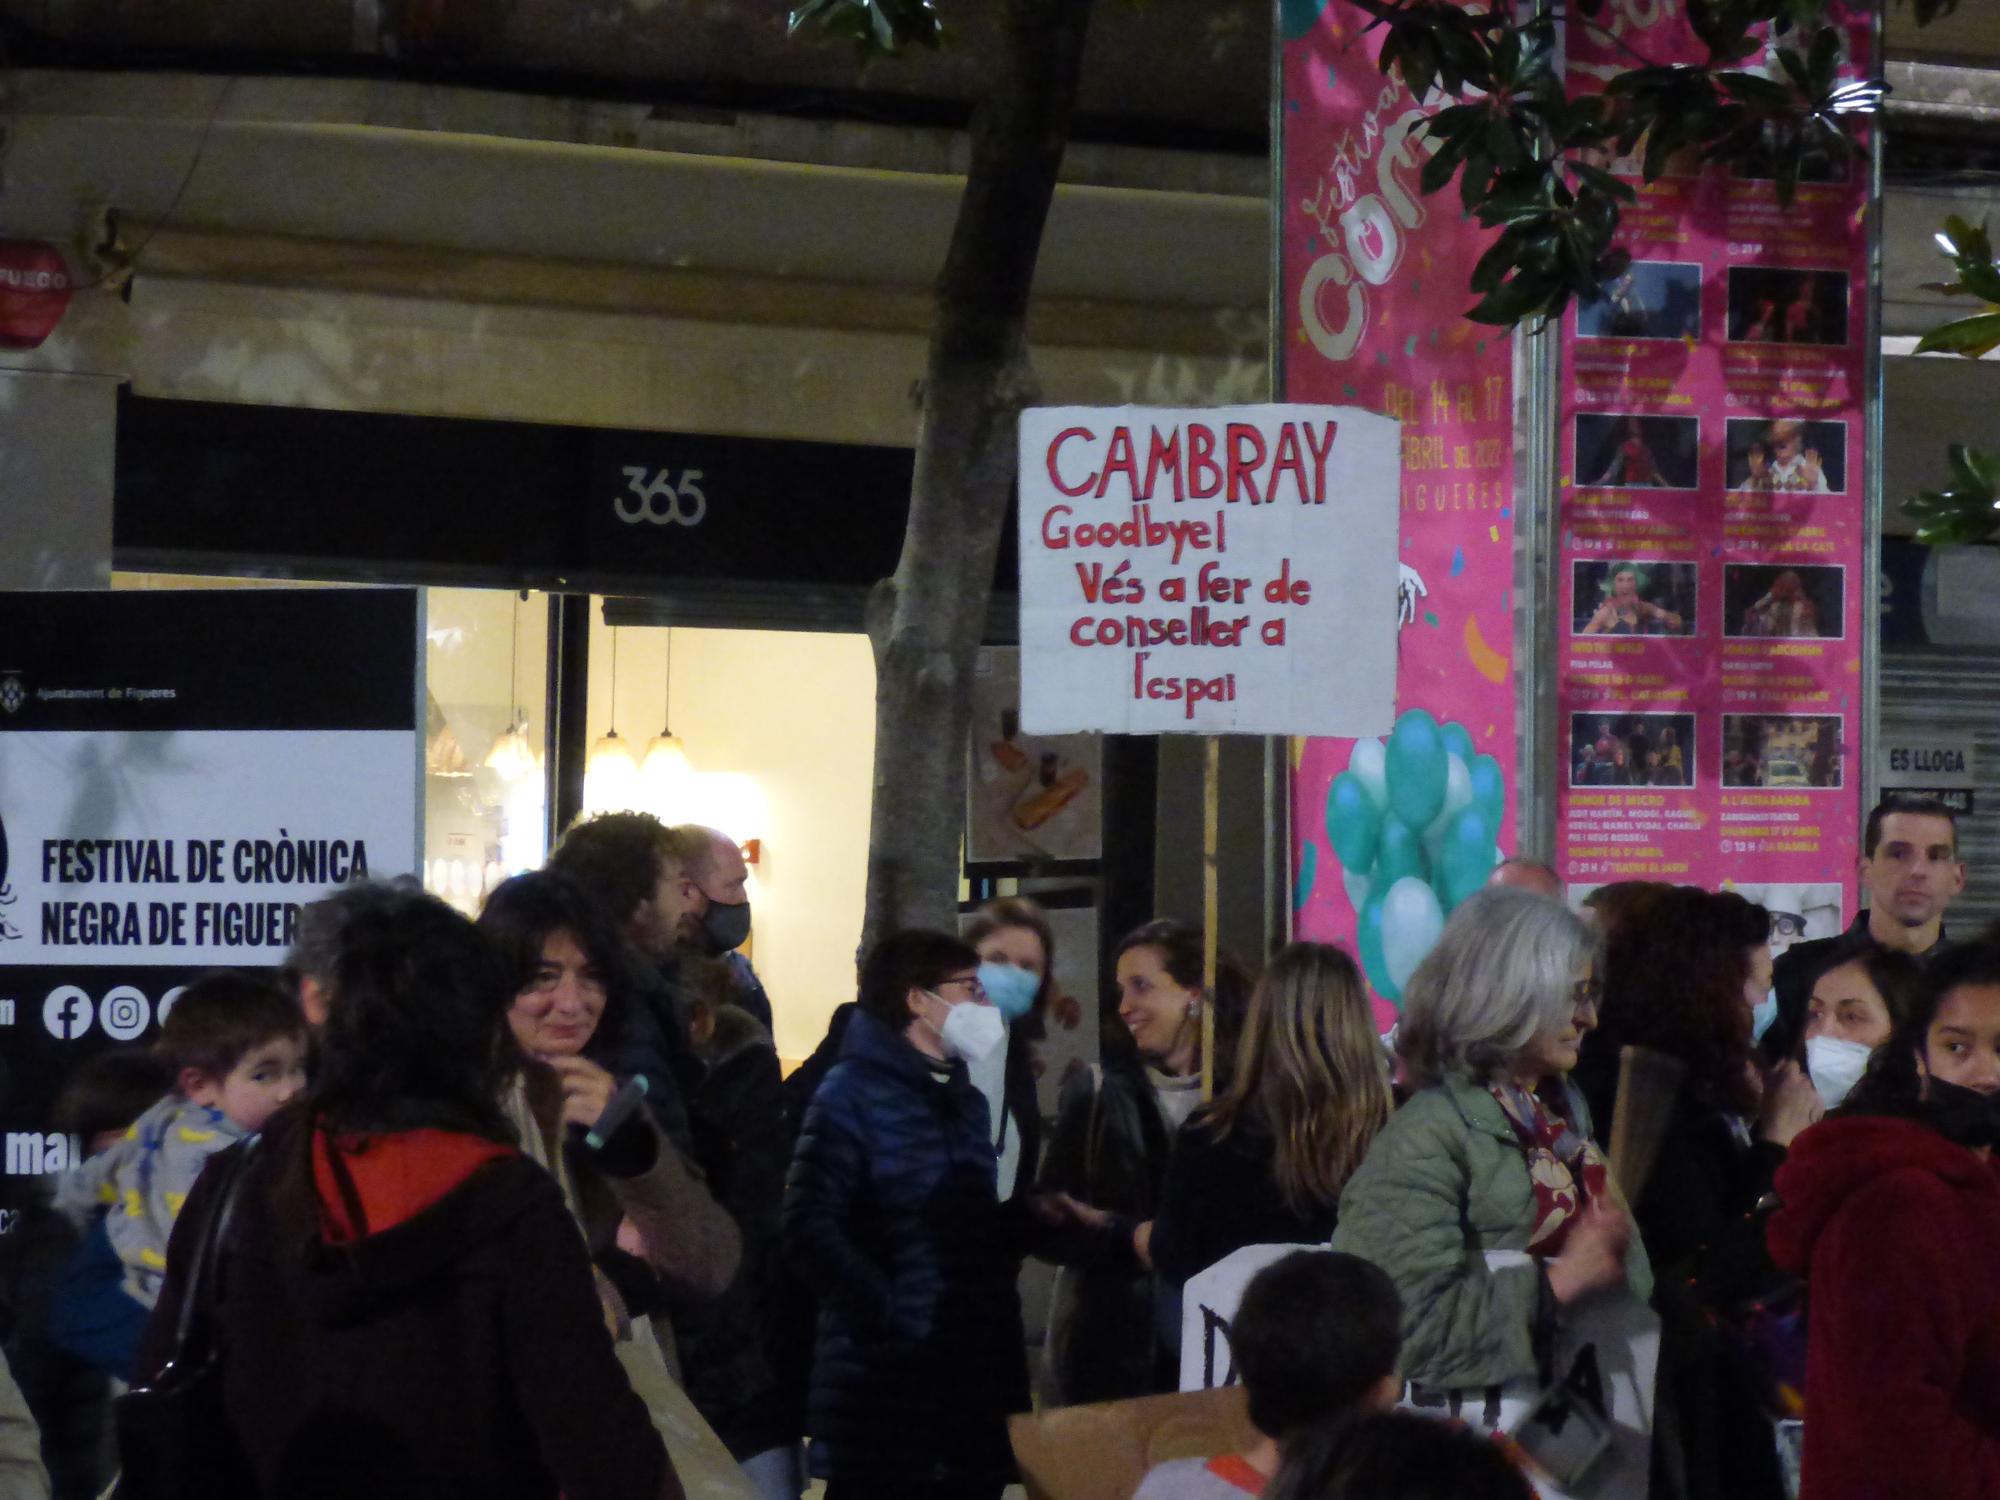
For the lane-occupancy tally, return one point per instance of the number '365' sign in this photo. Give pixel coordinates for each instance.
(658, 498)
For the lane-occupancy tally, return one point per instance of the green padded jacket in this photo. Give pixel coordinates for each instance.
(1444, 1183)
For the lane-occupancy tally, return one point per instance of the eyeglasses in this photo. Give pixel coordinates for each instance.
(971, 982)
(1589, 993)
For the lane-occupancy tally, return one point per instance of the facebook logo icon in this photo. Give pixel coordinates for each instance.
(67, 1012)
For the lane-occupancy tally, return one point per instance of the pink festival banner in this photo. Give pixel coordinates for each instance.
(1712, 523)
(1389, 835)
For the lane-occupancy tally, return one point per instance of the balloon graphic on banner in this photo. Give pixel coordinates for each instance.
(1411, 923)
(1353, 820)
(1467, 857)
(1414, 825)
(1370, 762)
(1401, 854)
(1374, 963)
(1297, 17)
(1308, 868)
(1418, 766)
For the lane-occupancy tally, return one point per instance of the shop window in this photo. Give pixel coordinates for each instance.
(485, 772)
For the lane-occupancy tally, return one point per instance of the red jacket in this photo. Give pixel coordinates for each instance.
(1897, 1232)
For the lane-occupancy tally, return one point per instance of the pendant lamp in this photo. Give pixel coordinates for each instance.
(667, 771)
(611, 774)
(512, 756)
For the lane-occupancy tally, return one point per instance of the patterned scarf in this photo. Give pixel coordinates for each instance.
(1567, 1171)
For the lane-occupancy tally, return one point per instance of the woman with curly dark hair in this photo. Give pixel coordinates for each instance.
(1683, 978)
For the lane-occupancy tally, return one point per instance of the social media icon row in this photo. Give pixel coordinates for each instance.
(123, 1014)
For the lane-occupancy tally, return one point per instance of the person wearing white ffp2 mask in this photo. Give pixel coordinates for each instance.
(1854, 1008)
(890, 1218)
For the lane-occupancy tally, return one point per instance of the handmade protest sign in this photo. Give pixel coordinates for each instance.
(1208, 570)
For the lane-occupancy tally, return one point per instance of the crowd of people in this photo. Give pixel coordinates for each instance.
(512, 1207)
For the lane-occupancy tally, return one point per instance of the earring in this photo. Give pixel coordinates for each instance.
(1194, 1007)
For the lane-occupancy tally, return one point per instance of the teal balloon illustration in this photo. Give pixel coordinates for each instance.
(1466, 857)
(1308, 871)
(1353, 821)
(1489, 788)
(1457, 794)
(1374, 963)
(1402, 854)
(1418, 766)
(1357, 884)
(1297, 17)
(1458, 741)
(1412, 921)
(1369, 762)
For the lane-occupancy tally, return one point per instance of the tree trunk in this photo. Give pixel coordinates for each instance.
(926, 622)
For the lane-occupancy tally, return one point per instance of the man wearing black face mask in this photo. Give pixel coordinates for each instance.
(704, 909)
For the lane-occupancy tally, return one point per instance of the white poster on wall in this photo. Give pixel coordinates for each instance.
(180, 772)
(1208, 570)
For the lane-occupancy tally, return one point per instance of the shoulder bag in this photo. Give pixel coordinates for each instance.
(174, 1437)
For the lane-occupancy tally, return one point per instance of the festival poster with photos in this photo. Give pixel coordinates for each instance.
(1712, 526)
(1374, 279)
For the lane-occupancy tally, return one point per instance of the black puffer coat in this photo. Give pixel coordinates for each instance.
(890, 1218)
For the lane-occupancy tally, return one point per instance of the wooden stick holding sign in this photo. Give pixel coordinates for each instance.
(1211, 903)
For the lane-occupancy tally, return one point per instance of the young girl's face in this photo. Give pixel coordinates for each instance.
(1963, 1043)
(557, 1013)
(260, 1084)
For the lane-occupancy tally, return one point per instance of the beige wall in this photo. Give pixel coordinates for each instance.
(788, 717)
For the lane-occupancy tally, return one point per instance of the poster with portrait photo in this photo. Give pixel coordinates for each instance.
(1799, 752)
(1786, 456)
(1799, 913)
(1769, 601)
(1777, 305)
(1618, 450)
(1634, 597)
(1817, 163)
(1610, 748)
(1649, 299)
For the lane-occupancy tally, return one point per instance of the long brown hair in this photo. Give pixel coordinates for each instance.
(1311, 1070)
(1673, 981)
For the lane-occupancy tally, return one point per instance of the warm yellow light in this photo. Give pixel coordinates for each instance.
(512, 757)
(669, 777)
(611, 777)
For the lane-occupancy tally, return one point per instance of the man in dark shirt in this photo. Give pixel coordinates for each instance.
(1911, 871)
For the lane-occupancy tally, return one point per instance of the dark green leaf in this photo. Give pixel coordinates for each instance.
(1974, 336)
(1472, 184)
(1755, 90)
(1602, 182)
(1975, 471)
(1438, 171)
(1983, 281)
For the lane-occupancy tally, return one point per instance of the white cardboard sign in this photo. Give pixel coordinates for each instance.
(1208, 570)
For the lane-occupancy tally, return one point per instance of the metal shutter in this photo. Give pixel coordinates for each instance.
(1930, 691)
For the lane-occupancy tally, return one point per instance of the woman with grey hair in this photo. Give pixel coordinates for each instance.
(1484, 1198)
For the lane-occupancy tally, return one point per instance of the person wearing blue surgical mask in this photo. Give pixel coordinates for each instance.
(1016, 949)
(890, 1217)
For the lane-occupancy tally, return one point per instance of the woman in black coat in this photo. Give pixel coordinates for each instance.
(891, 1217)
(406, 1308)
(1682, 978)
(1265, 1163)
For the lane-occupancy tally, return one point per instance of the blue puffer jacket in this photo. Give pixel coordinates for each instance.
(890, 1218)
